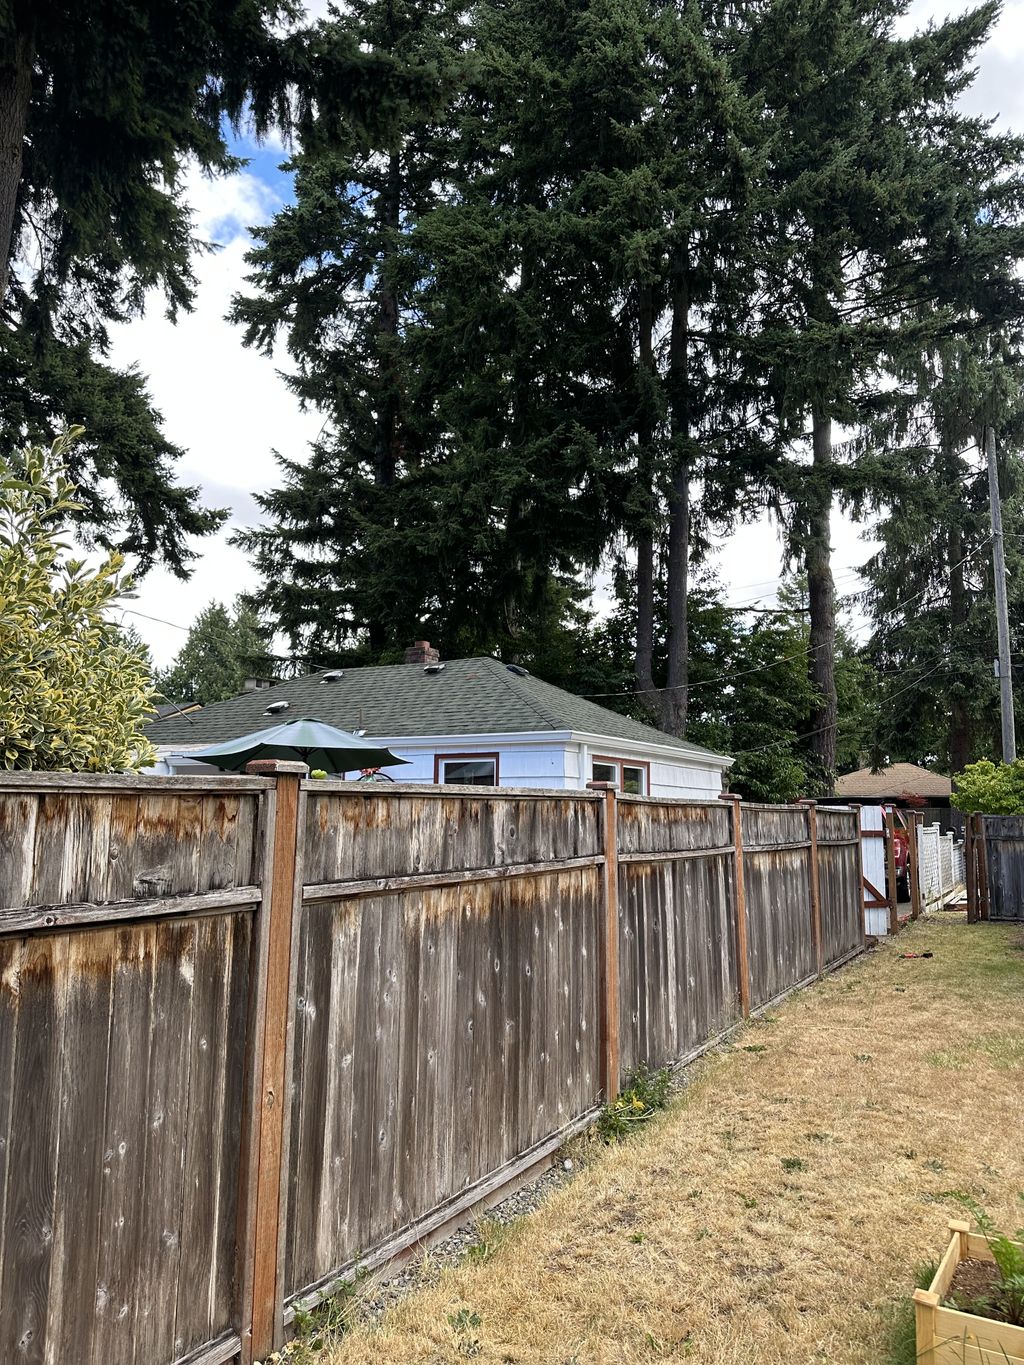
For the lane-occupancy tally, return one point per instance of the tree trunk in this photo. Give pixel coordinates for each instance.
(959, 717)
(822, 602)
(674, 698)
(15, 95)
(386, 453)
(387, 328)
(644, 665)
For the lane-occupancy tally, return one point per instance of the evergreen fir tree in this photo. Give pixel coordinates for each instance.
(877, 200)
(930, 590)
(222, 650)
(345, 557)
(99, 114)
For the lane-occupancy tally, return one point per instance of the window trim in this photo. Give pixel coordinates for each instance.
(618, 764)
(441, 759)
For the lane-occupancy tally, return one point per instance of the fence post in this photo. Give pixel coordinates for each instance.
(815, 883)
(263, 1214)
(983, 900)
(971, 870)
(609, 938)
(890, 871)
(914, 863)
(742, 951)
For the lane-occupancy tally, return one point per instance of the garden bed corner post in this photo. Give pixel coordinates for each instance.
(740, 901)
(263, 1213)
(609, 939)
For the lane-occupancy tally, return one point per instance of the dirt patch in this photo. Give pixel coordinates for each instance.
(975, 1287)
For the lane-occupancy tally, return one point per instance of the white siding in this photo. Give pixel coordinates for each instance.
(669, 777)
(519, 765)
(680, 779)
(526, 762)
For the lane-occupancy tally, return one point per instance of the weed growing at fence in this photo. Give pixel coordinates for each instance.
(461, 1323)
(319, 1330)
(646, 1093)
(491, 1233)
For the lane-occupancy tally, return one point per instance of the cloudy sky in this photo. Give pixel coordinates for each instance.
(229, 408)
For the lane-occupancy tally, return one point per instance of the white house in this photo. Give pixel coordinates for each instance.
(461, 721)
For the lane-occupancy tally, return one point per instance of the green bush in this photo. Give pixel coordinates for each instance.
(991, 788)
(74, 692)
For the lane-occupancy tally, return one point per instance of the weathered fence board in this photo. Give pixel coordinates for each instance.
(776, 869)
(677, 958)
(256, 1030)
(123, 1048)
(439, 1033)
(371, 833)
(839, 883)
(1004, 855)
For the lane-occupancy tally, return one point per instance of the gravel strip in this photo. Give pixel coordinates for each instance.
(425, 1267)
(390, 1284)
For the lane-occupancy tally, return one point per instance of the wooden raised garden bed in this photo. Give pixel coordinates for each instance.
(946, 1336)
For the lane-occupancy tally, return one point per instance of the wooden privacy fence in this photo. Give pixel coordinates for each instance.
(256, 1030)
(995, 867)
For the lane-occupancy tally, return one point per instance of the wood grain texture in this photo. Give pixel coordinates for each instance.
(104, 1122)
(470, 996)
(82, 849)
(355, 836)
(1003, 844)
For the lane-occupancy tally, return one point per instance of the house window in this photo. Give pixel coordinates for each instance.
(632, 778)
(472, 770)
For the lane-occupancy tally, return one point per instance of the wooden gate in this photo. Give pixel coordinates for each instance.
(1003, 843)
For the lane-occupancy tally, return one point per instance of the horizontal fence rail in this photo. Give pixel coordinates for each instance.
(257, 1030)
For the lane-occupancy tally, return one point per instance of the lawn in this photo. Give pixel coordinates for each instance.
(777, 1211)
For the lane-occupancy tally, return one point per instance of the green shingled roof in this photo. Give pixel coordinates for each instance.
(468, 697)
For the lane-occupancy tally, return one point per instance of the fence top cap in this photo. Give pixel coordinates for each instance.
(269, 767)
(602, 786)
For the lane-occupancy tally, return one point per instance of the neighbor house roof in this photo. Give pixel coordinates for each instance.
(467, 697)
(899, 779)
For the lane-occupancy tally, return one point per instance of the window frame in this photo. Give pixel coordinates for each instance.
(441, 759)
(618, 764)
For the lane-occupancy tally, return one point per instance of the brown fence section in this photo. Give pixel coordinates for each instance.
(998, 845)
(446, 1008)
(125, 959)
(677, 939)
(256, 1030)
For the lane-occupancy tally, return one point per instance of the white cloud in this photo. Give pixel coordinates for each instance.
(227, 406)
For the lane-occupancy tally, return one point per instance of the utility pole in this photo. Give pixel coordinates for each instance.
(1002, 618)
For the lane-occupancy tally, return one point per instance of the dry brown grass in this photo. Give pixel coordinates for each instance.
(777, 1211)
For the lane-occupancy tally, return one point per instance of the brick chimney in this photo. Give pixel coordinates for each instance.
(422, 652)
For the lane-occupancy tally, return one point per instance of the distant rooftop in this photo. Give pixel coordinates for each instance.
(464, 697)
(898, 780)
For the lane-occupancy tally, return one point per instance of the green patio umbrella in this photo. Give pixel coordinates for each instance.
(312, 741)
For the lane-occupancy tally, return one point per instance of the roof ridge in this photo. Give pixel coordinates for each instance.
(523, 693)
